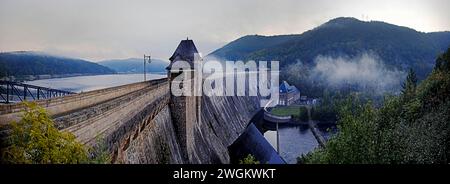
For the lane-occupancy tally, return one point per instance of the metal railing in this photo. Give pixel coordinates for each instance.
(18, 92)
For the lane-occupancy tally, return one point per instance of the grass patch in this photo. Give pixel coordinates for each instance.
(298, 113)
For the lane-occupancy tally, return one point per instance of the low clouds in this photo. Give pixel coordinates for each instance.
(364, 72)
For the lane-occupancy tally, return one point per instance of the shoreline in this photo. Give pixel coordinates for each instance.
(28, 78)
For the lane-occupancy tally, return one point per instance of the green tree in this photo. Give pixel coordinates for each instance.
(411, 128)
(250, 159)
(409, 87)
(35, 140)
(99, 154)
(354, 144)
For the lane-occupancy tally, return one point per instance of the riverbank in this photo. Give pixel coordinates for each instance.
(312, 125)
(24, 78)
(297, 137)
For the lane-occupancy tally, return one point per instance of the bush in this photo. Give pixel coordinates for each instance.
(250, 159)
(35, 140)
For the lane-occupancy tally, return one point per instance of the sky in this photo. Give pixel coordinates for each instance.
(115, 29)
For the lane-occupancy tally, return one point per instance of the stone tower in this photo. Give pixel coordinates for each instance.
(185, 108)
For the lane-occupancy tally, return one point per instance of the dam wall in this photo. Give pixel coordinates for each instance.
(135, 123)
(223, 120)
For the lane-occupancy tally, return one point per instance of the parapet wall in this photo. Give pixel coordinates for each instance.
(66, 104)
(135, 123)
(113, 116)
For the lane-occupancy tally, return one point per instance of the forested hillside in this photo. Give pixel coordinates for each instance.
(413, 127)
(392, 48)
(31, 63)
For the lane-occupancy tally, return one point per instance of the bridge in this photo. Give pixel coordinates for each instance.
(143, 123)
(18, 92)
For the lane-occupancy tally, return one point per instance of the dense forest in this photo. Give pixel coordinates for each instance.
(413, 127)
(32, 63)
(392, 47)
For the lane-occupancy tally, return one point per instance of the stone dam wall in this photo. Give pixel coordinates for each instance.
(135, 123)
(223, 120)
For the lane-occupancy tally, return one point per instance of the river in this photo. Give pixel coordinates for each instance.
(93, 82)
(295, 140)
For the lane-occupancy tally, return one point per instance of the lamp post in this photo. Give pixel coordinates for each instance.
(149, 60)
(278, 140)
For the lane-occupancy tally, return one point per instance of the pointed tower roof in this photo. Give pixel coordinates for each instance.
(284, 87)
(185, 51)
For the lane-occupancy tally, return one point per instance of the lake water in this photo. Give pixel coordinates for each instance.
(94, 82)
(294, 141)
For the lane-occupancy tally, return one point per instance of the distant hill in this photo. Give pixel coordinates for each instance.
(22, 63)
(242, 47)
(135, 65)
(397, 46)
(319, 60)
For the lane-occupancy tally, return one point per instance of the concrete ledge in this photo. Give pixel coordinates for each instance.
(276, 119)
(65, 104)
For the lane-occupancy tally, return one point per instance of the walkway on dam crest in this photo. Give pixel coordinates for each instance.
(115, 115)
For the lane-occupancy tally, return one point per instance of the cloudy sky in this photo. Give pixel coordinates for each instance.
(106, 29)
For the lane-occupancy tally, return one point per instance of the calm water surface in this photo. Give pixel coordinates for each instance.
(294, 141)
(89, 83)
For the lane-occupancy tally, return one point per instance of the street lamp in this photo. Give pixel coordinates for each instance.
(149, 60)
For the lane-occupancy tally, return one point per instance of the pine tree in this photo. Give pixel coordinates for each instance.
(409, 87)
